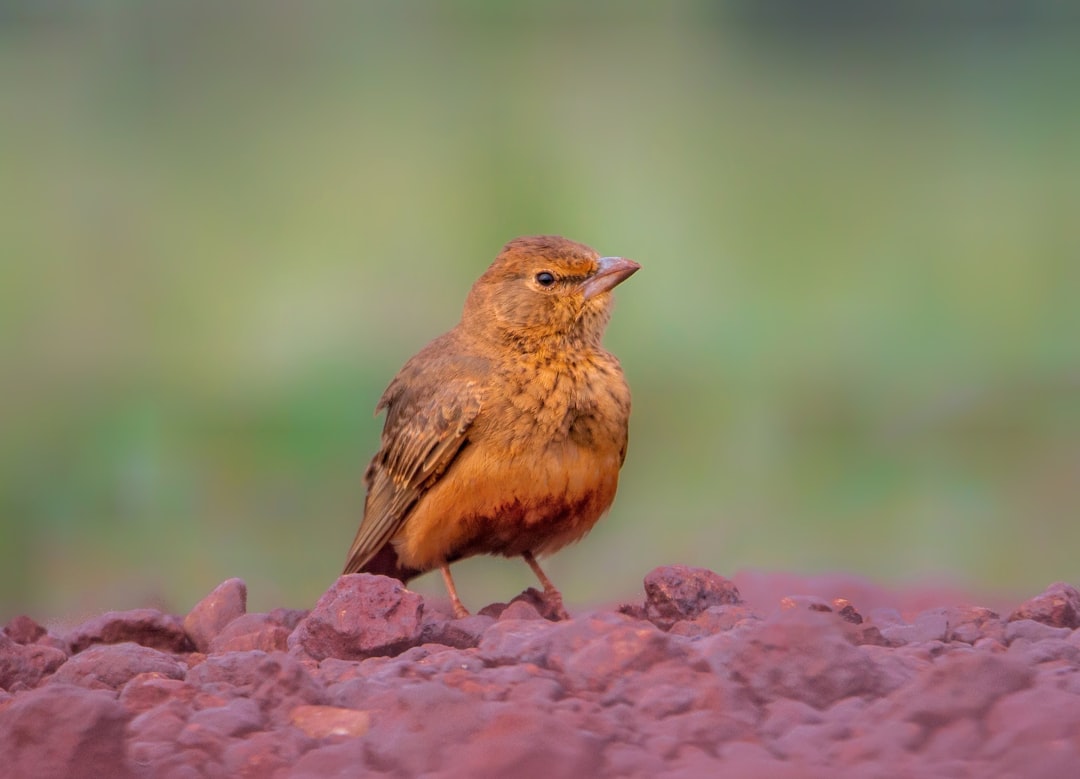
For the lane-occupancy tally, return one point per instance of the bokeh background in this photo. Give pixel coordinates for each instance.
(854, 344)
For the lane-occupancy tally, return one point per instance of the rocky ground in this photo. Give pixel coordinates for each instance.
(692, 682)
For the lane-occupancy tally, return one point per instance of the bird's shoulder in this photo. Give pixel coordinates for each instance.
(445, 367)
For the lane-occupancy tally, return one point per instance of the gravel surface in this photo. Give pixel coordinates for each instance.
(690, 682)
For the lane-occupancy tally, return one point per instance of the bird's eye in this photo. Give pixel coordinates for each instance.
(545, 278)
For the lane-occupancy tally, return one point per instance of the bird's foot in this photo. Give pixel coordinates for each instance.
(555, 604)
(552, 597)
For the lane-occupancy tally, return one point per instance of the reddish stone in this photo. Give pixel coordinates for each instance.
(162, 723)
(516, 641)
(250, 632)
(676, 687)
(619, 650)
(225, 603)
(262, 755)
(847, 611)
(1033, 717)
(326, 721)
(1030, 631)
(531, 597)
(113, 665)
(631, 761)
(808, 693)
(804, 655)
(785, 714)
(677, 592)
(147, 690)
(1058, 605)
(458, 633)
(23, 667)
(275, 680)
(961, 685)
(194, 736)
(345, 759)
(806, 602)
(444, 716)
(714, 619)
(236, 718)
(181, 763)
(333, 671)
(521, 609)
(525, 744)
(63, 731)
(23, 630)
(146, 627)
(360, 616)
(287, 618)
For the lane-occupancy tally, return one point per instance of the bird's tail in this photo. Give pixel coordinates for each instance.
(386, 563)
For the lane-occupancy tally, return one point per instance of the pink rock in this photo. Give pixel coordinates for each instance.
(326, 721)
(960, 685)
(803, 655)
(1033, 717)
(288, 618)
(1030, 631)
(147, 690)
(714, 619)
(1058, 605)
(531, 597)
(262, 755)
(225, 603)
(360, 616)
(111, 666)
(748, 761)
(446, 716)
(199, 738)
(525, 744)
(275, 680)
(249, 632)
(237, 718)
(458, 633)
(24, 666)
(182, 763)
(162, 723)
(971, 623)
(619, 650)
(516, 641)
(521, 609)
(784, 714)
(147, 627)
(631, 761)
(678, 592)
(23, 630)
(333, 671)
(344, 759)
(705, 729)
(64, 731)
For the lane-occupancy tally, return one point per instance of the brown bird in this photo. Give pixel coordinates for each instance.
(506, 434)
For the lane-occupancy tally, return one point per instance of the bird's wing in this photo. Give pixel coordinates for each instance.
(425, 429)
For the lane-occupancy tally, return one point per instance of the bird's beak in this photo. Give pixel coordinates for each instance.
(612, 271)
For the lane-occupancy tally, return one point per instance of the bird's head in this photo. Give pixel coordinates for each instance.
(546, 286)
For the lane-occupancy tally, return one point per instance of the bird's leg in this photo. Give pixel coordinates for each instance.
(459, 608)
(553, 596)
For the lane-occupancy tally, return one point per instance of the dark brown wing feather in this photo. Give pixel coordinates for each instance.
(426, 425)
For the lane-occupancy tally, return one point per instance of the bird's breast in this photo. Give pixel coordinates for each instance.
(540, 468)
(543, 402)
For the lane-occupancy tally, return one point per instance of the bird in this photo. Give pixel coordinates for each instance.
(506, 434)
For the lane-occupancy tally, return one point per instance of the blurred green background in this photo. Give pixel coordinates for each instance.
(853, 344)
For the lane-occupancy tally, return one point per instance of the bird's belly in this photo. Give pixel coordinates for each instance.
(536, 501)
